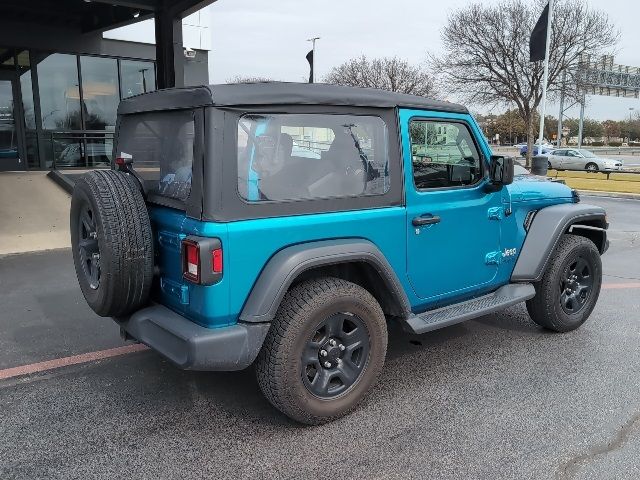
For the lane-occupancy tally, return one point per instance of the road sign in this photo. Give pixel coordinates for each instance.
(600, 76)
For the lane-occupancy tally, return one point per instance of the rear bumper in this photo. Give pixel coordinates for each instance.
(192, 347)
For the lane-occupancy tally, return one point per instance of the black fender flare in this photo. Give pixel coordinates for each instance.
(548, 225)
(287, 264)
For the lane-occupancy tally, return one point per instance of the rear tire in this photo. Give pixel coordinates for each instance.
(290, 368)
(569, 288)
(111, 242)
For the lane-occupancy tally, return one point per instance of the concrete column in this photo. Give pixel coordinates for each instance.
(169, 50)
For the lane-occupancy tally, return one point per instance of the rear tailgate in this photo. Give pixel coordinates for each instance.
(166, 149)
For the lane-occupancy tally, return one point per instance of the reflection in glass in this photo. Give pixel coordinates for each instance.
(59, 96)
(8, 138)
(7, 61)
(100, 97)
(26, 88)
(99, 92)
(67, 152)
(31, 143)
(137, 77)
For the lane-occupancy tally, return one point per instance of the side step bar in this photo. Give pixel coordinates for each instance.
(443, 317)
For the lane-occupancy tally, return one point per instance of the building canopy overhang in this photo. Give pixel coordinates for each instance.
(85, 17)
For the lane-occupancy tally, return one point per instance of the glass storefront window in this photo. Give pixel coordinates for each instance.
(7, 61)
(59, 93)
(100, 94)
(26, 89)
(100, 97)
(136, 77)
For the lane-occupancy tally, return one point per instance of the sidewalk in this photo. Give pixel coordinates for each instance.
(34, 213)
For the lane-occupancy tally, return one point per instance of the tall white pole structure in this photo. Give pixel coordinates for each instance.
(545, 79)
(313, 68)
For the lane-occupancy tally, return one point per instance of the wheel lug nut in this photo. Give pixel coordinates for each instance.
(327, 364)
(342, 347)
(332, 342)
(339, 361)
(323, 353)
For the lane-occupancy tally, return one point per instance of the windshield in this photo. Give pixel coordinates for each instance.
(587, 154)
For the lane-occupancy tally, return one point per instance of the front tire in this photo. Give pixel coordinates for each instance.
(569, 288)
(324, 351)
(591, 167)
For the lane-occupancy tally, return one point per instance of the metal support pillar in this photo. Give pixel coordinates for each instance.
(562, 90)
(169, 50)
(581, 125)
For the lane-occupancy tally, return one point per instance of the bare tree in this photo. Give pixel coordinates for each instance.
(389, 73)
(487, 52)
(249, 79)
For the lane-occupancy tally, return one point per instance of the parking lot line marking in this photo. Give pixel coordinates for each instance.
(72, 360)
(620, 285)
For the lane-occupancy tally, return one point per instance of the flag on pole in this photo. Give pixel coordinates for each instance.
(310, 60)
(538, 40)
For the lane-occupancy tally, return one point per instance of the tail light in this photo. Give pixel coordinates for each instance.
(202, 260)
(191, 261)
(216, 260)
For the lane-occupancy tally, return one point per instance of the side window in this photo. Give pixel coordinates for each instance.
(161, 144)
(310, 156)
(443, 154)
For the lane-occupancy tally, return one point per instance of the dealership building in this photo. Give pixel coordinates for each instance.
(66, 64)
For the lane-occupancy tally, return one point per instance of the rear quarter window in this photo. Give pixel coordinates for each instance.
(285, 157)
(161, 144)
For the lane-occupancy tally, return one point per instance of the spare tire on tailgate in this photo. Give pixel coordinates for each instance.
(111, 242)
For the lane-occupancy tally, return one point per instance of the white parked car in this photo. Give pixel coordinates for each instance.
(580, 159)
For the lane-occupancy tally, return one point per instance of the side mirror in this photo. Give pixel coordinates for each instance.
(500, 172)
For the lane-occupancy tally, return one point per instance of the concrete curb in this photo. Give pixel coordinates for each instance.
(596, 193)
(63, 181)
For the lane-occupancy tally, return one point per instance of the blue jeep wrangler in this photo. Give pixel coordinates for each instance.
(287, 225)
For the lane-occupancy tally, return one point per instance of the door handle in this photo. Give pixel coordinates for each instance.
(426, 219)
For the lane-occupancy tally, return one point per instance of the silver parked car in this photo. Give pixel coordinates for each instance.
(580, 159)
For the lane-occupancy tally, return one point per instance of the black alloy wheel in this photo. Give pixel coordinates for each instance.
(324, 350)
(569, 288)
(576, 284)
(88, 248)
(335, 355)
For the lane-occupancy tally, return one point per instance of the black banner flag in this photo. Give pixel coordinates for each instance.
(310, 60)
(538, 40)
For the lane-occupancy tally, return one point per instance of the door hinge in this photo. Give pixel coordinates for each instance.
(495, 213)
(493, 258)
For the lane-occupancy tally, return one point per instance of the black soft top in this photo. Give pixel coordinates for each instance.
(278, 93)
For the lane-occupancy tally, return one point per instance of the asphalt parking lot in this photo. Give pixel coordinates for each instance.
(494, 398)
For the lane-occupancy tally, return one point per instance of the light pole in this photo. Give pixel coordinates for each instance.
(313, 49)
(631, 109)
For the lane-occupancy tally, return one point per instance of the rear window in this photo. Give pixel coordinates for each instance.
(310, 156)
(161, 144)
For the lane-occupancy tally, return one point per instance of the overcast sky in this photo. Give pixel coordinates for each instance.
(268, 38)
